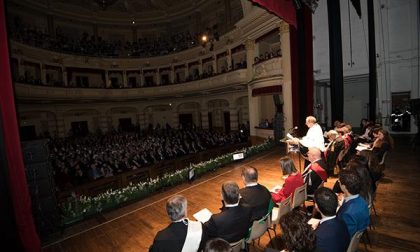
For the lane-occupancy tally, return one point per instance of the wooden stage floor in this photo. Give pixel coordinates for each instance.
(133, 227)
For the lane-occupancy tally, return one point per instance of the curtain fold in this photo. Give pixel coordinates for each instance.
(282, 8)
(17, 178)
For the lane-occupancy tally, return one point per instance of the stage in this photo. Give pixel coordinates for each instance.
(132, 228)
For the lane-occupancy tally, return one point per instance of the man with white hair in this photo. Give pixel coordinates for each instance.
(314, 137)
(182, 234)
(315, 173)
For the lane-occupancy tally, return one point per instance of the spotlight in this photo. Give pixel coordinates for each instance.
(204, 38)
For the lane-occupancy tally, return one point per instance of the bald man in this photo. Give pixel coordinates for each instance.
(315, 173)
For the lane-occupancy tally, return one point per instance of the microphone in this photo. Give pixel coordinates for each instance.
(294, 128)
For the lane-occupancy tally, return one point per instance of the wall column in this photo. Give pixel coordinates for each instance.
(233, 118)
(287, 75)
(229, 60)
(61, 130)
(142, 120)
(175, 119)
(214, 62)
(107, 82)
(65, 80)
(205, 118)
(158, 78)
(250, 51)
(125, 82)
(43, 74)
(103, 123)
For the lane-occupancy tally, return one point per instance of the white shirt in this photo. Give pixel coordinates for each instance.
(327, 218)
(314, 138)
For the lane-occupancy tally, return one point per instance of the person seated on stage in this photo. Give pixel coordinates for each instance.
(182, 234)
(254, 195)
(331, 233)
(334, 147)
(354, 210)
(382, 143)
(314, 137)
(233, 222)
(217, 245)
(297, 234)
(293, 180)
(315, 173)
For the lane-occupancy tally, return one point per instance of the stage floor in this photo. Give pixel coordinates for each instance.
(132, 228)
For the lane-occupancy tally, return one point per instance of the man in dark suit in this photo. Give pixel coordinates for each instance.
(354, 211)
(233, 222)
(331, 233)
(182, 234)
(254, 195)
(315, 173)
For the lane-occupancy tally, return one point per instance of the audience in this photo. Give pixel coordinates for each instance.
(254, 195)
(96, 46)
(297, 234)
(182, 234)
(77, 160)
(294, 180)
(331, 233)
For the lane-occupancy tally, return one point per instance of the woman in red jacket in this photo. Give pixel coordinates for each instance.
(293, 180)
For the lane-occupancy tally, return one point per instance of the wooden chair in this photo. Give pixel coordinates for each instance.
(299, 197)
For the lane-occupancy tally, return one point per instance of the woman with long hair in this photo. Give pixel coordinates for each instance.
(294, 180)
(297, 234)
(382, 143)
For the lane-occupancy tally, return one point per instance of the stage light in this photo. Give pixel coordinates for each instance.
(204, 38)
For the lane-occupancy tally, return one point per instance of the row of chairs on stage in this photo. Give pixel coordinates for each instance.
(296, 203)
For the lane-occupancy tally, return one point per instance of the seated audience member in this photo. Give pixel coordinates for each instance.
(297, 234)
(354, 211)
(254, 195)
(182, 234)
(233, 222)
(217, 245)
(331, 233)
(315, 173)
(382, 143)
(293, 180)
(334, 147)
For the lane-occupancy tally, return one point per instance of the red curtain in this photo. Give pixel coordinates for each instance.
(282, 8)
(17, 178)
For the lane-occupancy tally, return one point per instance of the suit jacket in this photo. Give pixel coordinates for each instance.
(172, 238)
(232, 224)
(257, 198)
(355, 213)
(332, 236)
(289, 186)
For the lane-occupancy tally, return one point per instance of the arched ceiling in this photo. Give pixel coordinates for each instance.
(125, 11)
